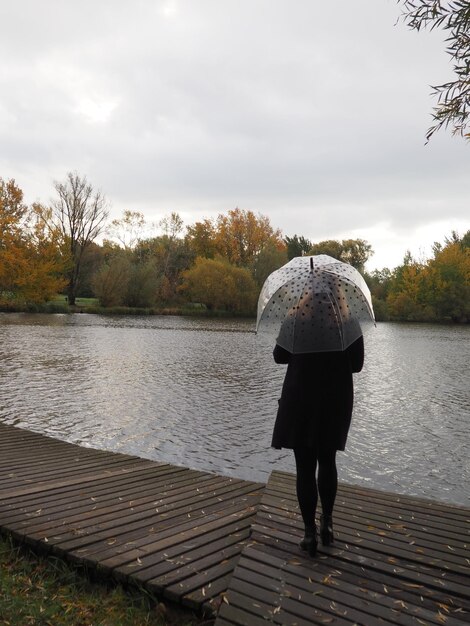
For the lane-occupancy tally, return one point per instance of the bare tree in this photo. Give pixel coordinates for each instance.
(80, 214)
(129, 229)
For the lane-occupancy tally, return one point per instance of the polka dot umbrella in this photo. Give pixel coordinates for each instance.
(315, 304)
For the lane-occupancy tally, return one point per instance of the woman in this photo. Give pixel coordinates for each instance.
(313, 419)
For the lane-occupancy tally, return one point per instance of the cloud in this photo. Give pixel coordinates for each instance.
(311, 113)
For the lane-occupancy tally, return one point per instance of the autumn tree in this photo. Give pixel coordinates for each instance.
(93, 257)
(220, 285)
(297, 246)
(356, 252)
(79, 213)
(111, 281)
(407, 296)
(170, 255)
(240, 236)
(448, 289)
(46, 263)
(379, 283)
(31, 265)
(13, 215)
(201, 238)
(144, 284)
(270, 258)
(453, 97)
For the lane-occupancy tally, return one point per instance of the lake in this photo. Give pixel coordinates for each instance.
(203, 393)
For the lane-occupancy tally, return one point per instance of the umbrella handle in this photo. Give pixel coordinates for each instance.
(311, 263)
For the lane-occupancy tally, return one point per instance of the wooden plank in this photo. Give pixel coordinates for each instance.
(409, 586)
(231, 614)
(328, 582)
(184, 587)
(107, 484)
(395, 586)
(98, 472)
(137, 555)
(86, 506)
(181, 552)
(414, 547)
(65, 470)
(140, 524)
(218, 544)
(302, 603)
(70, 498)
(437, 578)
(363, 499)
(197, 559)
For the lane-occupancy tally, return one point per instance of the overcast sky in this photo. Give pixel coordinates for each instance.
(312, 113)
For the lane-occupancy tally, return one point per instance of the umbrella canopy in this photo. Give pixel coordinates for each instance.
(315, 304)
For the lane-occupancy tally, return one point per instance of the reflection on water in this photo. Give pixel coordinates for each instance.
(203, 393)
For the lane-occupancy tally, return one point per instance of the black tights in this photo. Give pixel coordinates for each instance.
(306, 460)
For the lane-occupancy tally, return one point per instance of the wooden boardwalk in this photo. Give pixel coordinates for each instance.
(176, 531)
(395, 560)
(228, 548)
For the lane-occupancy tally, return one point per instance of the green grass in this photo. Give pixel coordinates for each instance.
(40, 590)
(91, 305)
(79, 302)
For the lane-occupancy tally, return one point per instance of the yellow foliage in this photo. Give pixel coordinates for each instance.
(220, 285)
(31, 264)
(241, 235)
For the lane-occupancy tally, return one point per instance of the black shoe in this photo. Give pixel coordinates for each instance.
(309, 542)
(326, 530)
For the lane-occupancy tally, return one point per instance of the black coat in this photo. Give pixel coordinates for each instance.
(317, 397)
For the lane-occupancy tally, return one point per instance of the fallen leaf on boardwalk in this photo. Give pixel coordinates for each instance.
(385, 589)
(401, 603)
(111, 542)
(203, 591)
(413, 585)
(444, 607)
(277, 609)
(450, 548)
(225, 600)
(139, 561)
(441, 618)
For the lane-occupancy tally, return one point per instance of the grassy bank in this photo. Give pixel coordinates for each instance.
(91, 305)
(45, 591)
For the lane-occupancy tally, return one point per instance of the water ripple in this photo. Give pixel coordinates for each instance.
(203, 393)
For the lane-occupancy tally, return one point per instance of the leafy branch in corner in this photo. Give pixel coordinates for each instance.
(453, 97)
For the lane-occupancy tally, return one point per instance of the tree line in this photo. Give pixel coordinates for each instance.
(216, 264)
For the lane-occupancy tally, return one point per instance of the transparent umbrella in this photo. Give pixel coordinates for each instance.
(315, 304)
